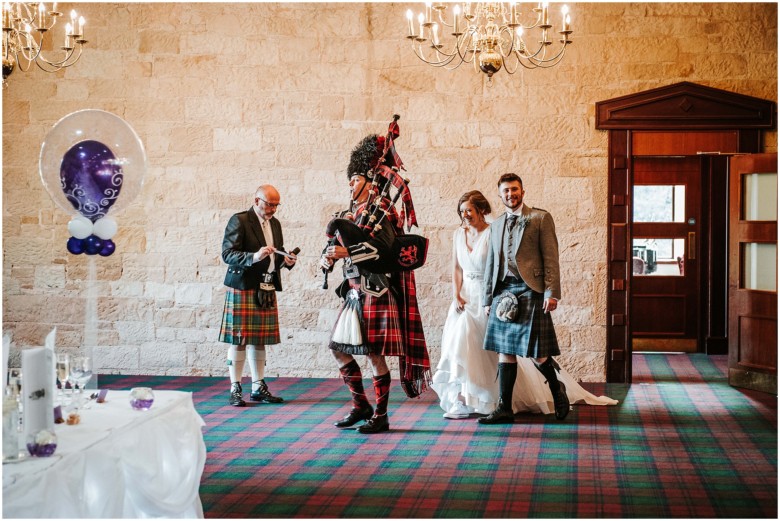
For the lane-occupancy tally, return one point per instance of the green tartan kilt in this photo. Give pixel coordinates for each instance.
(244, 322)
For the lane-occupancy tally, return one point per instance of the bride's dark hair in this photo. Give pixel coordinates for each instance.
(476, 198)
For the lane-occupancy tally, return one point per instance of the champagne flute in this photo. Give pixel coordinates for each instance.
(63, 373)
(80, 373)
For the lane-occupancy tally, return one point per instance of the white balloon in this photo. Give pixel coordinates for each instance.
(105, 228)
(80, 227)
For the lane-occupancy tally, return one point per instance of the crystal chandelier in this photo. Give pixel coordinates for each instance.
(25, 28)
(490, 35)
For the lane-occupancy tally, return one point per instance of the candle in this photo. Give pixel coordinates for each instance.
(421, 19)
(7, 15)
(565, 11)
(409, 17)
(81, 26)
(428, 12)
(467, 9)
(27, 35)
(456, 13)
(42, 16)
(566, 23)
(435, 34)
(545, 19)
(513, 11)
(68, 32)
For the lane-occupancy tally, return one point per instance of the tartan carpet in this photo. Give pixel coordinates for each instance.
(681, 443)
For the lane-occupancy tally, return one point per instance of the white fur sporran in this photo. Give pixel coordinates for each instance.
(347, 329)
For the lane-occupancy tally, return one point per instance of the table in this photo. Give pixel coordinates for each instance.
(117, 463)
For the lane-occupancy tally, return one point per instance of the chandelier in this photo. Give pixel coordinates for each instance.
(490, 35)
(25, 28)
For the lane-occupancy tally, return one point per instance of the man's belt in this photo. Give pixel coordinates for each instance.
(267, 278)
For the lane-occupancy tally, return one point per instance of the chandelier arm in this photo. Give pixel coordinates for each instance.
(510, 34)
(552, 60)
(57, 65)
(533, 63)
(440, 63)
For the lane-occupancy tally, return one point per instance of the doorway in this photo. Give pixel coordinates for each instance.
(666, 220)
(672, 126)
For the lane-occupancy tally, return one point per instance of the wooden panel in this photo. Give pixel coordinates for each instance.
(755, 333)
(685, 106)
(651, 143)
(618, 243)
(650, 311)
(752, 315)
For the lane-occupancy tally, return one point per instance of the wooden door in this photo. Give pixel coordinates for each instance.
(666, 223)
(753, 272)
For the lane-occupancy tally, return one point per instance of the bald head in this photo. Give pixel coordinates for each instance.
(266, 201)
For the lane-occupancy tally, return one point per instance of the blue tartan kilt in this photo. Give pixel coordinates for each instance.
(531, 334)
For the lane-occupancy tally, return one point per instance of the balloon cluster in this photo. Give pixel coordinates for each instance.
(87, 175)
(92, 239)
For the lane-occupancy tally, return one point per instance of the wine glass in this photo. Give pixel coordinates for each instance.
(63, 372)
(80, 373)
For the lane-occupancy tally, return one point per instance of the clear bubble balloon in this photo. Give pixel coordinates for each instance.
(105, 228)
(92, 161)
(80, 227)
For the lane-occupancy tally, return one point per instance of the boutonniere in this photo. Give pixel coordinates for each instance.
(523, 221)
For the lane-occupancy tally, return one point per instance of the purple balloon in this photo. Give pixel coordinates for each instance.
(108, 248)
(75, 246)
(91, 178)
(93, 244)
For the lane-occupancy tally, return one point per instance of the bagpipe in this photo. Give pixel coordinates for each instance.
(407, 251)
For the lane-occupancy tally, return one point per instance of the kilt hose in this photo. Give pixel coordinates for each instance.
(244, 322)
(531, 334)
(380, 324)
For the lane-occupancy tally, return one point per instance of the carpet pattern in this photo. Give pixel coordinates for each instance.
(681, 443)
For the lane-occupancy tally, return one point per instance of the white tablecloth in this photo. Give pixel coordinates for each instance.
(117, 463)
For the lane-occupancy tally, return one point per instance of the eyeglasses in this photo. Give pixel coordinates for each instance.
(270, 205)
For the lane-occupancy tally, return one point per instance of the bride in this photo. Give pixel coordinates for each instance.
(465, 378)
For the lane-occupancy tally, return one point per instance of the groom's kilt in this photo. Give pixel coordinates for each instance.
(531, 334)
(245, 322)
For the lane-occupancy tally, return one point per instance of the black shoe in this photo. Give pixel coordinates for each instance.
(236, 395)
(549, 369)
(375, 424)
(354, 416)
(561, 401)
(263, 395)
(500, 415)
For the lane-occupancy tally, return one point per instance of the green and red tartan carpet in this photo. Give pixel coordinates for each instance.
(681, 443)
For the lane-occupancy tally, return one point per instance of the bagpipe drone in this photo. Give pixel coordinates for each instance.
(382, 167)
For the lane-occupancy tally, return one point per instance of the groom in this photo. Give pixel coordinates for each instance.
(522, 287)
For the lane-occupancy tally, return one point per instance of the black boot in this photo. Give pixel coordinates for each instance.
(263, 395)
(354, 416)
(507, 374)
(560, 399)
(236, 398)
(375, 424)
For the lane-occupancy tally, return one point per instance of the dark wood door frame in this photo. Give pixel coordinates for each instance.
(689, 109)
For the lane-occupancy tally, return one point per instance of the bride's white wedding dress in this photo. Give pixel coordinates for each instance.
(467, 370)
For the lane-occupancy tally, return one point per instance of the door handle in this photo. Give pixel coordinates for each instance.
(692, 245)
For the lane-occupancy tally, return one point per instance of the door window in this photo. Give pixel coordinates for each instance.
(659, 203)
(759, 201)
(659, 256)
(759, 266)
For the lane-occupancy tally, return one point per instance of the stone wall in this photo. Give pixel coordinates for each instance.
(228, 96)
